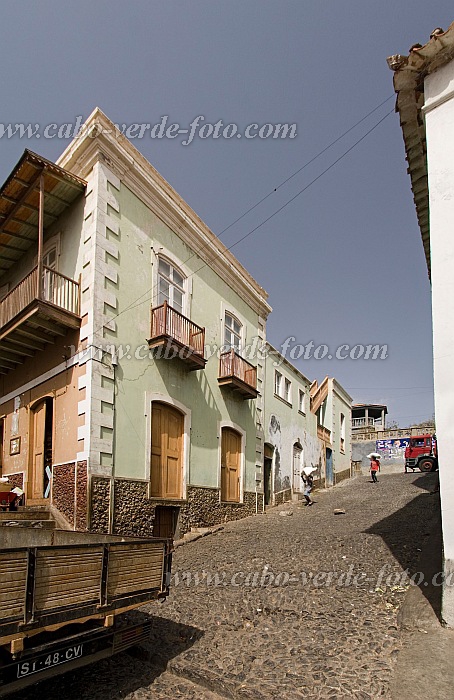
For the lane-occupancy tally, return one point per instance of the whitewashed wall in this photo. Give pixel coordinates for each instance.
(439, 116)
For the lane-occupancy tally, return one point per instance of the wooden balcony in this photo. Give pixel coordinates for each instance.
(324, 434)
(177, 336)
(34, 313)
(238, 374)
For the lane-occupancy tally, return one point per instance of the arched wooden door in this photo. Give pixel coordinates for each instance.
(230, 465)
(167, 426)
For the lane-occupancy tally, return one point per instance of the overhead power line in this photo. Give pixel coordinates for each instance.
(137, 301)
(309, 162)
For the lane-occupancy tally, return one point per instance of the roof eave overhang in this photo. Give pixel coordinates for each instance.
(20, 203)
(409, 75)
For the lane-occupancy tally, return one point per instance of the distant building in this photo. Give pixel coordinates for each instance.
(368, 417)
(306, 425)
(331, 405)
(290, 431)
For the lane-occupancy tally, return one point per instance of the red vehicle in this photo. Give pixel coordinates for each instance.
(421, 453)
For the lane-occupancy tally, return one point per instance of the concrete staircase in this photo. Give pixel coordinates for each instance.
(36, 516)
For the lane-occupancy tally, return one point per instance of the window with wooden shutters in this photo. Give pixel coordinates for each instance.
(230, 465)
(167, 425)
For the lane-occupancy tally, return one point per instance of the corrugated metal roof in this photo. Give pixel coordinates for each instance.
(409, 74)
(19, 203)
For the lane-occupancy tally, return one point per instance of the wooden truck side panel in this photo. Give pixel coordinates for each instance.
(45, 587)
(13, 577)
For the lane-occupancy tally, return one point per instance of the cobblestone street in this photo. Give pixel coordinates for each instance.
(266, 627)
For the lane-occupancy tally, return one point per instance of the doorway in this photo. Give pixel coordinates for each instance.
(230, 465)
(167, 426)
(41, 456)
(2, 423)
(329, 476)
(268, 452)
(165, 521)
(297, 467)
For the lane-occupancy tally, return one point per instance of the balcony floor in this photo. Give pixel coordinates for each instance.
(31, 330)
(192, 360)
(237, 385)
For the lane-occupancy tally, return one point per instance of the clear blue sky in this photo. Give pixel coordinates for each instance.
(344, 262)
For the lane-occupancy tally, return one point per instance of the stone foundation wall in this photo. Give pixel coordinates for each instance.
(341, 476)
(64, 490)
(282, 497)
(204, 509)
(134, 512)
(81, 496)
(16, 480)
(99, 504)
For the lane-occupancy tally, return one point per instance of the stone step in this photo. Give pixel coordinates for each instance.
(38, 524)
(25, 514)
(33, 502)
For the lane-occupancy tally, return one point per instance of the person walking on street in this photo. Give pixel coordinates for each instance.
(374, 467)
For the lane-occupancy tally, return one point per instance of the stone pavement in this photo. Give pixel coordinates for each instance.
(425, 665)
(297, 603)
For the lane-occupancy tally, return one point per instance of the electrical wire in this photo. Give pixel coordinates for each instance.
(134, 305)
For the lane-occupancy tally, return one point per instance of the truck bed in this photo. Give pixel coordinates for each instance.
(52, 578)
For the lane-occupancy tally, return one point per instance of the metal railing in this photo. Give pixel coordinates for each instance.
(166, 321)
(232, 365)
(56, 289)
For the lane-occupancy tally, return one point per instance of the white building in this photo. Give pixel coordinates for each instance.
(424, 83)
(306, 425)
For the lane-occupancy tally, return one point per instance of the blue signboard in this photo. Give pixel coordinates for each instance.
(392, 444)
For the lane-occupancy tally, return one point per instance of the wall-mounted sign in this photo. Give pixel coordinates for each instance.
(14, 446)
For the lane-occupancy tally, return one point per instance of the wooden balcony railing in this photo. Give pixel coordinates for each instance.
(60, 290)
(56, 289)
(169, 327)
(238, 373)
(323, 433)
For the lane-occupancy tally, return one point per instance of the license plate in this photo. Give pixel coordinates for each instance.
(53, 658)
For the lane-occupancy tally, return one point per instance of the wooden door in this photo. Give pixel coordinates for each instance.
(165, 521)
(329, 467)
(37, 455)
(297, 468)
(166, 452)
(230, 465)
